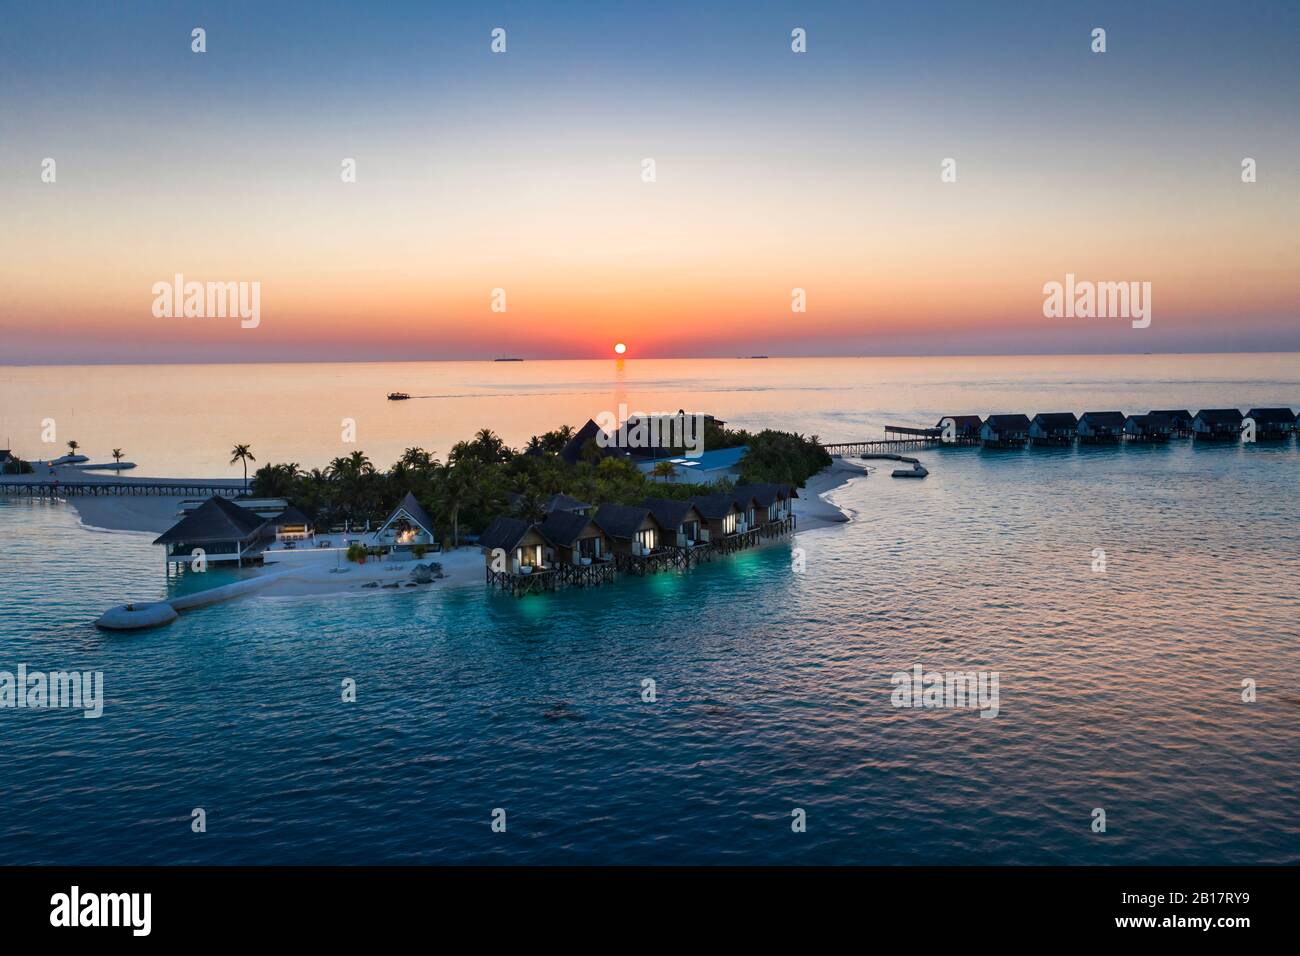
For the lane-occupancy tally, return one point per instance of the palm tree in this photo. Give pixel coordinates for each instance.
(73, 446)
(241, 453)
(117, 455)
(664, 469)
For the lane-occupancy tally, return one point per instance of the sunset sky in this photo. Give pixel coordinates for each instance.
(522, 171)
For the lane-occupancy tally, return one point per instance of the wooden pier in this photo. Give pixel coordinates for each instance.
(163, 489)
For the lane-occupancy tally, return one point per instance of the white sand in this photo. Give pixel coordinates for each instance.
(812, 509)
(315, 572)
(143, 513)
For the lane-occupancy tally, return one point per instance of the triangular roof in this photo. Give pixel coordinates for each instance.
(622, 521)
(1175, 414)
(290, 515)
(670, 512)
(1272, 416)
(765, 492)
(563, 528)
(1220, 416)
(1056, 419)
(717, 505)
(217, 519)
(413, 512)
(1152, 420)
(572, 452)
(1012, 422)
(1105, 419)
(503, 532)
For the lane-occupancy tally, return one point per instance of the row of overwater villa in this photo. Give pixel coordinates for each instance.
(1065, 428)
(577, 544)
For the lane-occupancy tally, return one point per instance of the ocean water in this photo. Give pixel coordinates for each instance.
(1119, 690)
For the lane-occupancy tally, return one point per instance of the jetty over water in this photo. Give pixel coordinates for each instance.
(161, 487)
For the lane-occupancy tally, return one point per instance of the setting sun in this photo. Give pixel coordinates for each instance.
(620, 348)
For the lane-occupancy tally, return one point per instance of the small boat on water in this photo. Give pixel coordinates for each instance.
(916, 471)
(398, 396)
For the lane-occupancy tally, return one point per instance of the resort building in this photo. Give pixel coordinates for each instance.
(580, 549)
(681, 519)
(1180, 420)
(1217, 424)
(408, 526)
(966, 427)
(632, 531)
(1154, 426)
(1005, 431)
(600, 441)
(512, 545)
(703, 469)
(773, 502)
(1101, 427)
(574, 538)
(1272, 423)
(1054, 428)
(722, 514)
(221, 530)
(291, 528)
(262, 507)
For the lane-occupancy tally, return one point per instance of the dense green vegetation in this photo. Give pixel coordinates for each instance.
(470, 488)
(16, 466)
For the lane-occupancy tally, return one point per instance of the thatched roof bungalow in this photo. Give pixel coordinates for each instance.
(220, 529)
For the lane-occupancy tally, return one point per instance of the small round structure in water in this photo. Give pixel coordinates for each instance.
(134, 617)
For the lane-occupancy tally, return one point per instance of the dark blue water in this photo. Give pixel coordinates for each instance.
(1118, 690)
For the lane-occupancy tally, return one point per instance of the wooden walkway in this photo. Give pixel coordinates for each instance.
(167, 489)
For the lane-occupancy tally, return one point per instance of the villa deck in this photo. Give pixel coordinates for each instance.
(538, 581)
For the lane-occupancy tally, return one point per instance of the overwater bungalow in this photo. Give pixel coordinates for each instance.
(1054, 428)
(1272, 424)
(1180, 420)
(686, 529)
(514, 556)
(1217, 424)
(409, 526)
(1098, 428)
(580, 549)
(729, 519)
(1152, 427)
(221, 530)
(722, 515)
(773, 513)
(966, 428)
(1005, 431)
(638, 540)
(681, 519)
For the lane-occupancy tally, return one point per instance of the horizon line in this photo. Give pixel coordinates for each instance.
(647, 358)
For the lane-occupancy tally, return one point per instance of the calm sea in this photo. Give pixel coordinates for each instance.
(1118, 690)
